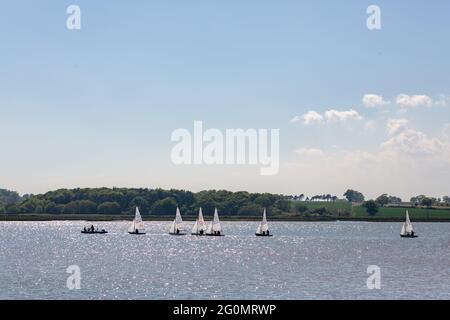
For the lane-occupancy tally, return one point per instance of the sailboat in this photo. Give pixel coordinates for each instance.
(263, 228)
(407, 228)
(214, 227)
(177, 229)
(137, 226)
(199, 227)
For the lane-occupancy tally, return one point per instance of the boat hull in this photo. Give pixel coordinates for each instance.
(178, 234)
(198, 234)
(408, 236)
(95, 232)
(137, 233)
(263, 235)
(215, 235)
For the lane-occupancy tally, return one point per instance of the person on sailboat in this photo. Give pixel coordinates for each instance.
(178, 231)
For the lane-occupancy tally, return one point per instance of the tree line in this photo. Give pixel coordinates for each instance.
(150, 201)
(111, 201)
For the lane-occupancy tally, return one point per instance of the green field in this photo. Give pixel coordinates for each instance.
(358, 212)
(414, 213)
(333, 207)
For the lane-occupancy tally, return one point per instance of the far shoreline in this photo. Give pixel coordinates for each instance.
(109, 218)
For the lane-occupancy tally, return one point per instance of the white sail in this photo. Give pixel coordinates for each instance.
(178, 219)
(263, 226)
(408, 227)
(173, 227)
(177, 223)
(216, 227)
(200, 224)
(137, 223)
(201, 221)
(403, 231)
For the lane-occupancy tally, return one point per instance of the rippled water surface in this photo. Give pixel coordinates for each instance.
(302, 261)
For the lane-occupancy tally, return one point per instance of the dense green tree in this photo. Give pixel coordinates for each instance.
(12, 209)
(60, 208)
(165, 206)
(265, 200)
(52, 208)
(418, 199)
(299, 207)
(393, 199)
(426, 202)
(141, 203)
(283, 204)
(9, 197)
(371, 207)
(109, 208)
(250, 210)
(164, 202)
(321, 211)
(382, 200)
(354, 196)
(28, 206)
(80, 207)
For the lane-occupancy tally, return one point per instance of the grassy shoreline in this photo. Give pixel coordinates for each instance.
(103, 218)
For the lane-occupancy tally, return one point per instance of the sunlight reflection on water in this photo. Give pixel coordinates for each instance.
(304, 260)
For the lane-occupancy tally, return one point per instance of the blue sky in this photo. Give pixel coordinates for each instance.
(96, 107)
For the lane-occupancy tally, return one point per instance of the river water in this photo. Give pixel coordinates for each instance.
(303, 260)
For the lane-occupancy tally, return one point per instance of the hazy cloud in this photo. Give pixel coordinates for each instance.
(396, 125)
(373, 101)
(312, 117)
(407, 140)
(335, 115)
(309, 152)
(308, 118)
(406, 101)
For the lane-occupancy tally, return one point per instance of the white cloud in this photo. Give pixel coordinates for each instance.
(406, 140)
(310, 117)
(295, 119)
(373, 101)
(335, 115)
(310, 152)
(406, 101)
(396, 125)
